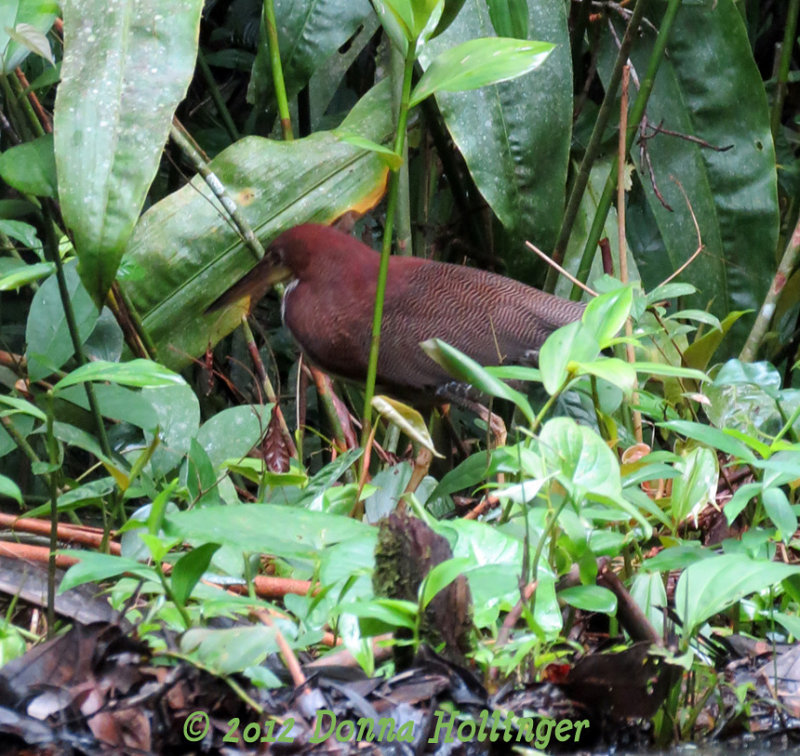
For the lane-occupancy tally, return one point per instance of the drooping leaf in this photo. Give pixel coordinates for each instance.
(113, 111)
(137, 373)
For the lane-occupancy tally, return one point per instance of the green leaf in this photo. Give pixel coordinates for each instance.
(235, 649)
(509, 17)
(19, 20)
(407, 419)
(22, 274)
(465, 369)
(617, 372)
(20, 406)
(582, 459)
(31, 167)
(234, 431)
(49, 344)
(440, 577)
(134, 373)
(10, 489)
(570, 343)
(35, 41)
(22, 232)
(479, 62)
(740, 500)
(189, 569)
(393, 612)
(701, 316)
(590, 598)
(714, 584)
(697, 485)
(126, 66)
(390, 157)
(662, 368)
(605, 315)
(712, 437)
(283, 531)
(699, 353)
(95, 567)
(779, 510)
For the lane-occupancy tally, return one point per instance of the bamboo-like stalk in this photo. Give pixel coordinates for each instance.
(391, 206)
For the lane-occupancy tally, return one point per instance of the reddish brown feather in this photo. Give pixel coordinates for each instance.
(493, 319)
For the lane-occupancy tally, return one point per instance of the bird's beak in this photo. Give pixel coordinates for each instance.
(246, 292)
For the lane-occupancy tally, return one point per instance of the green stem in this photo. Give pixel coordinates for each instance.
(52, 452)
(216, 96)
(783, 67)
(593, 147)
(19, 439)
(637, 112)
(277, 70)
(403, 214)
(27, 108)
(391, 205)
(51, 251)
(549, 403)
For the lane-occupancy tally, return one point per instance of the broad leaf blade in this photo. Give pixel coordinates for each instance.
(126, 67)
(184, 253)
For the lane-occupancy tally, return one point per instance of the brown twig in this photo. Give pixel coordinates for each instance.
(700, 245)
(552, 263)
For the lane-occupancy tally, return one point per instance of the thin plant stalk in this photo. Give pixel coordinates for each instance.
(391, 206)
(216, 186)
(787, 47)
(623, 247)
(277, 70)
(216, 96)
(51, 252)
(52, 453)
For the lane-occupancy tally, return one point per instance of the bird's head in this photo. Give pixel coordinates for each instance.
(298, 251)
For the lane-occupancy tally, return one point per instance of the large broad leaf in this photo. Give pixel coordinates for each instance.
(184, 252)
(126, 67)
(23, 26)
(711, 90)
(712, 585)
(515, 136)
(283, 531)
(309, 33)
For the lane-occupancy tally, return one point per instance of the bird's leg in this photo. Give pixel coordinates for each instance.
(467, 397)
